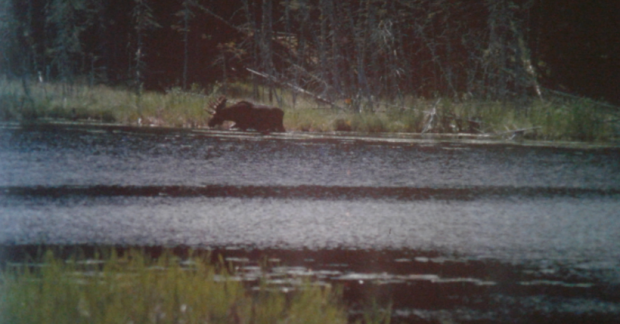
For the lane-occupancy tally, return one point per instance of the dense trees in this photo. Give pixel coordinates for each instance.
(360, 50)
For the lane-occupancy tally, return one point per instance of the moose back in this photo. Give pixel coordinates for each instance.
(247, 115)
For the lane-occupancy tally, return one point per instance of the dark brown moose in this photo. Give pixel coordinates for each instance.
(247, 115)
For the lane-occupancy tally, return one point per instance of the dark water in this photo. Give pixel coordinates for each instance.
(450, 232)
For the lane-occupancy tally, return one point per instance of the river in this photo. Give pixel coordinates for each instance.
(451, 231)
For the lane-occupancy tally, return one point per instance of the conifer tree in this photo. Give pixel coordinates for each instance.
(8, 36)
(186, 15)
(67, 18)
(144, 21)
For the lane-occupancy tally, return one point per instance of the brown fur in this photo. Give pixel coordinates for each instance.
(247, 115)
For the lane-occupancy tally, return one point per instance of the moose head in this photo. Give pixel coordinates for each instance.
(247, 115)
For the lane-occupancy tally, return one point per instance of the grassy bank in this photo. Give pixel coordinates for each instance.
(134, 288)
(41, 101)
(554, 118)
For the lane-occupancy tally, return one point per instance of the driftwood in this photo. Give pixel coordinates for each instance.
(431, 115)
(514, 133)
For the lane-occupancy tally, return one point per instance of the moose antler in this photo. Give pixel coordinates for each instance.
(219, 104)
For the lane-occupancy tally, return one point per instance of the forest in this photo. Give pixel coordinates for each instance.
(335, 49)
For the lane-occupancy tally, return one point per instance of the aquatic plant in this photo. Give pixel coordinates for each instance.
(136, 288)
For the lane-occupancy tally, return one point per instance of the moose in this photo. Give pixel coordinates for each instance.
(247, 115)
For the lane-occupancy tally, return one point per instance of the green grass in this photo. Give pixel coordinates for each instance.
(135, 288)
(554, 118)
(46, 101)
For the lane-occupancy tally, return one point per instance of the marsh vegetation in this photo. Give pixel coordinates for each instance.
(135, 287)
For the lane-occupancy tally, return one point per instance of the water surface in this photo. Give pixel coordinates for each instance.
(449, 231)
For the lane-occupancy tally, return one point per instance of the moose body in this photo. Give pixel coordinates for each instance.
(247, 115)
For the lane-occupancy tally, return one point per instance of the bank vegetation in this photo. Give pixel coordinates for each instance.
(556, 117)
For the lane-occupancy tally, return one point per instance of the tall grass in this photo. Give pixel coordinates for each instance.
(134, 288)
(28, 102)
(554, 118)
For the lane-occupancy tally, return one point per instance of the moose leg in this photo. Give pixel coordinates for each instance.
(279, 121)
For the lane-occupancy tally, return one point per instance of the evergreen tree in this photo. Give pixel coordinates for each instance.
(8, 37)
(186, 15)
(144, 21)
(68, 20)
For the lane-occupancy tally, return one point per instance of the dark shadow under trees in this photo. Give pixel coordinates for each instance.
(358, 51)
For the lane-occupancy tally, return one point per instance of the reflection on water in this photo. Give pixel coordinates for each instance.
(449, 232)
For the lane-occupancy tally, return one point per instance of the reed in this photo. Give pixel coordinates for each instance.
(135, 288)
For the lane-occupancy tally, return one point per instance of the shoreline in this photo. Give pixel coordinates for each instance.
(351, 136)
